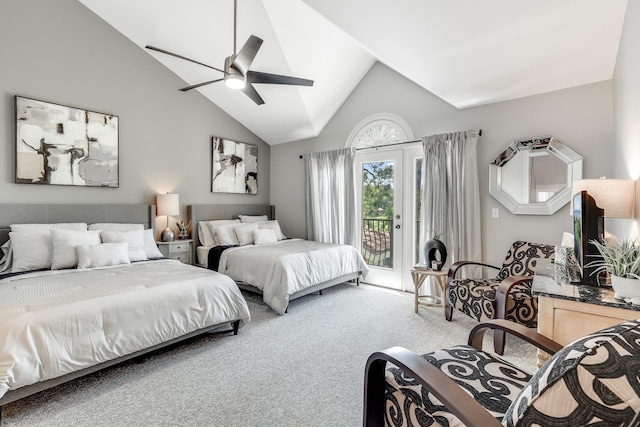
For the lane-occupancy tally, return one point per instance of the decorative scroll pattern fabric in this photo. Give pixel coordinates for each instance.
(476, 297)
(491, 381)
(592, 381)
(521, 259)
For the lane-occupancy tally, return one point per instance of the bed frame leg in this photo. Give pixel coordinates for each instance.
(358, 281)
(320, 292)
(236, 325)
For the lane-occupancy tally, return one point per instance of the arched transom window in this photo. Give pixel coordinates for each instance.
(379, 130)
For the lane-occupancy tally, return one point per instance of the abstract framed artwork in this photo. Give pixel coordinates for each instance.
(61, 145)
(234, 167)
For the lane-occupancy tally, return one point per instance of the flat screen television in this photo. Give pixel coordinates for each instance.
(588, 225)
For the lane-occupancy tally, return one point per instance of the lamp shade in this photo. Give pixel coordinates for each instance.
(167, 204)
(615, 196)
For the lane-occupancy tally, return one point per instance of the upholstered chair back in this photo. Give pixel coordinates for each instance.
(521, 259)
(594, 380)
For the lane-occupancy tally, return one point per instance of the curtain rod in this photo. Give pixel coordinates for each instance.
(396, 143)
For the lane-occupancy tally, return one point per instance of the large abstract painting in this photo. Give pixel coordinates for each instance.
(61, 145)
(234, 167)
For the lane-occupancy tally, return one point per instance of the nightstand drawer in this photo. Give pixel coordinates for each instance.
(177, 247)
(182, 257)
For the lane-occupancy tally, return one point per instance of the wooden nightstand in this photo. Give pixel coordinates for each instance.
(178, 249)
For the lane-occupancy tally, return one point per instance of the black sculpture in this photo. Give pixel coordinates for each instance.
(435, 254)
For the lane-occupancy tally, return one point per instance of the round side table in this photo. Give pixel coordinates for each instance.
(419, 273)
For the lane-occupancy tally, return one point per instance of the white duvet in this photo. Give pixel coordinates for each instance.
(56, 322)
(283, 268)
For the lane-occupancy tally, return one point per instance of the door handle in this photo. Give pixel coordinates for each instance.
(398, 227)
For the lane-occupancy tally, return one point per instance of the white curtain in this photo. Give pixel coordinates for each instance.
(451, 197)
(331, 196)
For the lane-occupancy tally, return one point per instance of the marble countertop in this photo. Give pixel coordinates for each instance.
(553, 280)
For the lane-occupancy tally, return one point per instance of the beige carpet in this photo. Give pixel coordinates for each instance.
(301, 369)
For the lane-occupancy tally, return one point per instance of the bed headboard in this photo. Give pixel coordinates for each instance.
(51, 213)
(197, 213)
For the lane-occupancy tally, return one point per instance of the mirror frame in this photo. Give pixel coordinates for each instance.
(558, 200)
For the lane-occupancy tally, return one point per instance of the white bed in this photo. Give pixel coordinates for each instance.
(281, 271)
(285, 269)
(57, 325)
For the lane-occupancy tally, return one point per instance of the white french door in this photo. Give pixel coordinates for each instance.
(388, 212)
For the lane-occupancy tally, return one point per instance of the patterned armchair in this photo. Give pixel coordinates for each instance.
(507, 296)
(592, 381)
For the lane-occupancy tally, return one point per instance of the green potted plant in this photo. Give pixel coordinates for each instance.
(622, 262)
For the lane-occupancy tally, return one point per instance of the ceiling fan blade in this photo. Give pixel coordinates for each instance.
(252, 93)
(258, 77)
(247, 54)
(157, 49)
(184, 89)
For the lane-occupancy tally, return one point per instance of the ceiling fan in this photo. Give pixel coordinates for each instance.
(236, 67)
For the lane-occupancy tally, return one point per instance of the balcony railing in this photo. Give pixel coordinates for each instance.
(377, 242)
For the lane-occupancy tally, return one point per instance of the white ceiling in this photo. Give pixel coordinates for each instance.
(467, 52)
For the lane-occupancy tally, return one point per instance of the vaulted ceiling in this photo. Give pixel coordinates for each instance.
(467, 52)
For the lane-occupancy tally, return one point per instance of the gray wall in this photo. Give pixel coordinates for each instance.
(626, 116)
(59, 51)
(579, 117)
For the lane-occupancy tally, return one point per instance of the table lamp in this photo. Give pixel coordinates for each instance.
(168, 204)
(615, 196)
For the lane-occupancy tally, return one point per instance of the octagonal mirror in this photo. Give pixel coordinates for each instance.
(534, 177)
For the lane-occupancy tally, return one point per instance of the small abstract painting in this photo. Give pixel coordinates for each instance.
(234, 167)
(60, 145)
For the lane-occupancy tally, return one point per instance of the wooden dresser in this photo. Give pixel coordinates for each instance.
(568, 311)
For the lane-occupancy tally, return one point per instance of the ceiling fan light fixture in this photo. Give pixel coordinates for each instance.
(233, 78)
(236, 68)
(234, 81)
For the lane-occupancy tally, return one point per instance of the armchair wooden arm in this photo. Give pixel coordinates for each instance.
(502, 297)
(456, 400)
(540, 341)
(453, 269)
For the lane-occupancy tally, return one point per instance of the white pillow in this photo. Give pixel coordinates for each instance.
(253, 218)
(64, 244)
(217, 223)
(150, 246)
(45, 228)
(114, 226)
(31, 251)
(204, 234)
(244, 233)
(264, 236)
(135, 239)
(205, 230)
(225, 235)
(272, 225)
(102, 254)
